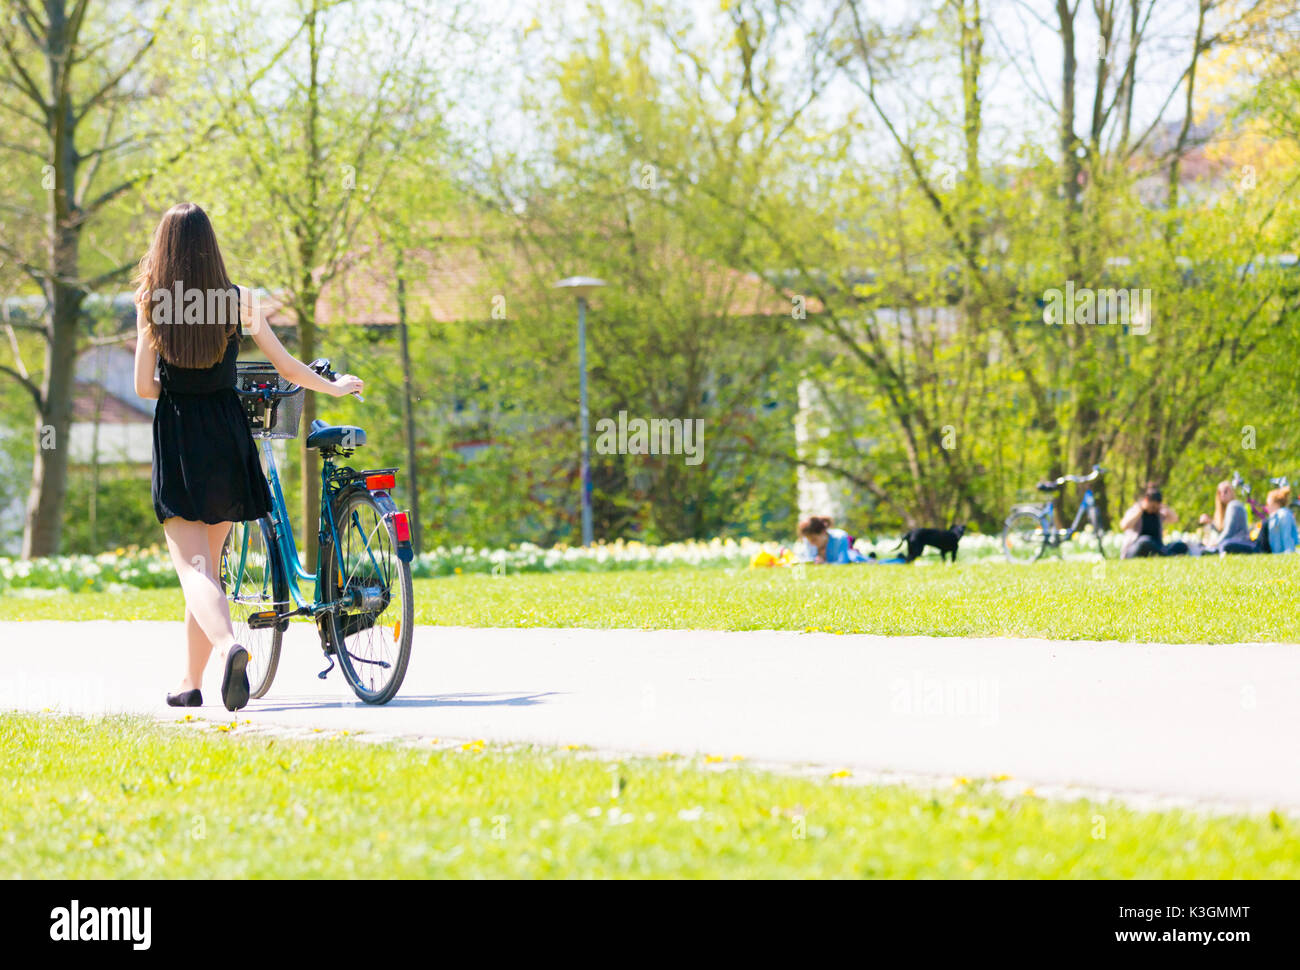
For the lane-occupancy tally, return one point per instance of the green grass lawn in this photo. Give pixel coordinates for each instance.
(132, 798)
(1246, 598)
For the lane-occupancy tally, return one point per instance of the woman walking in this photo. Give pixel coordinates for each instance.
(190, 322)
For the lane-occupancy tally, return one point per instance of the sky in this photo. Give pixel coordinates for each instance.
(485, 81)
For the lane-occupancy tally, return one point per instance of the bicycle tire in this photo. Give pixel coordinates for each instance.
(353, 629)
(1098, 531)
(1023, 537)
(267, 593)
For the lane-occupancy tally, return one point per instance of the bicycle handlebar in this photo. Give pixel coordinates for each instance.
(1243, 486)
(269, 393)
(320, 365)
(1092, 476)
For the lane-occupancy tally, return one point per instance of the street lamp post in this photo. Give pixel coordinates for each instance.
(582, 287)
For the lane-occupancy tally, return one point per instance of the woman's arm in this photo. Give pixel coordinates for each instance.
(1131, 518)
(146, 359)
(1167, 514)
(288, 366)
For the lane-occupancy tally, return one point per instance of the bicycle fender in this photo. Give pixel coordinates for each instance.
(1034, 510)
(388, 508)
(279, 580)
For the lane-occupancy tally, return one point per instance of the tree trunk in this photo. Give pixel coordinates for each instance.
(309, 235)
(44, 521)
(408, 416)
(308, 459)
(53, 423)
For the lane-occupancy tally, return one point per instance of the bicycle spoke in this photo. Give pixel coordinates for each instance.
(247, 578)
(367, 566)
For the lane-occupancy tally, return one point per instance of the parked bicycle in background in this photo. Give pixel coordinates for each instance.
(1030, 529)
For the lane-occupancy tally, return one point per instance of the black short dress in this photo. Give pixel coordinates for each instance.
(205, 462)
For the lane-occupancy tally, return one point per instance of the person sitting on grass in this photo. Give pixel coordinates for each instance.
(1143, 526)
(1231, 525)
(1282, 536)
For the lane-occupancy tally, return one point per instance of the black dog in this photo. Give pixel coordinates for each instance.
(945, 540)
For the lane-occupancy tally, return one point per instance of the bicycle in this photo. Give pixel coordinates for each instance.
(1243, 488)
(362, 603)
(1030, 530)
(1260, 511)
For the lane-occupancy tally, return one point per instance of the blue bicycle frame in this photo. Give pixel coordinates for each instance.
(1086, 503)
(283, 538)
(287, 548)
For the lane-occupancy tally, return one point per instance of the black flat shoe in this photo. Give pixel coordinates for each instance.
(234, 682)
(186, 698)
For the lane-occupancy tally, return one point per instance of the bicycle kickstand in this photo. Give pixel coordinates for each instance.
(322, 626)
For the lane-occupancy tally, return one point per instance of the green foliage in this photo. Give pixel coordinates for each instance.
(118, 513)
(718, 180)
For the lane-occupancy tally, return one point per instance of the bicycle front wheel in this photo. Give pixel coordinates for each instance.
(1023, 538)
(254, 583)
(369, 587)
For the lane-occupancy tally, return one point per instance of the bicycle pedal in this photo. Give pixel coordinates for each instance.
(263, 620)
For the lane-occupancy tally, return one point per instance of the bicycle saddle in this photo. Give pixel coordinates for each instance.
(335, 435)
(1042, 486)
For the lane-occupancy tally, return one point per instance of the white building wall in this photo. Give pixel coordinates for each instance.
(112, 366)
(117, 443)
(816, 497)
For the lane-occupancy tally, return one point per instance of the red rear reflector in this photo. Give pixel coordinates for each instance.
(381, 481)
(401, 526)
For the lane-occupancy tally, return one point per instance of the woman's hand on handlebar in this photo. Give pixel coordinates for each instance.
(346, 384)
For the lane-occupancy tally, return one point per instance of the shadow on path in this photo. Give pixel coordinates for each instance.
(472, 699)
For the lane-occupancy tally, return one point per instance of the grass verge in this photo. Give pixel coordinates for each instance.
(132, 798)
(1204, 600)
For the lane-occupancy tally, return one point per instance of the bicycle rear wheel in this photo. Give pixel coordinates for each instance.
(254, 583)
(1023, 537)
(374, 616)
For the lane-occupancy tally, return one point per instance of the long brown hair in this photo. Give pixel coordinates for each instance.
(182, 281)
(1220, 504)
(814, 525)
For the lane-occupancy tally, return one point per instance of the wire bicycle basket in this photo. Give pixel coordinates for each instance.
(272, 404)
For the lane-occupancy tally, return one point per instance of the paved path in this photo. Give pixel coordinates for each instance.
(1209, 723)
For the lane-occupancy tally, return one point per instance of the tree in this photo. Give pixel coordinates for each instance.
(401, 221)
(888, 269)
(75, 84)
(624, 189)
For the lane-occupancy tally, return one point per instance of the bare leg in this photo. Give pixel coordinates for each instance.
(190, 545)
(198, 649)
(198, 645)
